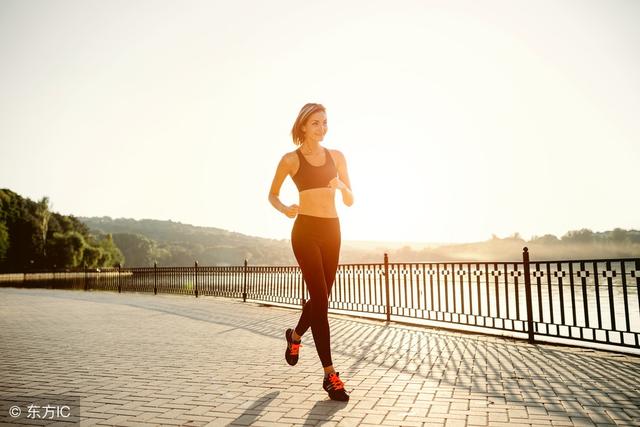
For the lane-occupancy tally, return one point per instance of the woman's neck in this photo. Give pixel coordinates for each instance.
(310, 147)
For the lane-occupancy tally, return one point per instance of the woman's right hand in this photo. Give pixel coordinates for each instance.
(291, 211)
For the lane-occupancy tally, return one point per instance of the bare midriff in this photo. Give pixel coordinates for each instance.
(318, 202)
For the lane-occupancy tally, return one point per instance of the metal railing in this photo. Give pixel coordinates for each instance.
(589, 301)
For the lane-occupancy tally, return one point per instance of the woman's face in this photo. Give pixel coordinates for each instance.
(316, 127)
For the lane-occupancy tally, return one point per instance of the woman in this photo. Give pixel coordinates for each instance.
(318, 173)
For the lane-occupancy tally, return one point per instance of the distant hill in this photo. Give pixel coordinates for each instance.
(170, 243)
(165, 231)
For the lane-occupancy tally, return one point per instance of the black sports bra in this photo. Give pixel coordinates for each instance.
(309, 176)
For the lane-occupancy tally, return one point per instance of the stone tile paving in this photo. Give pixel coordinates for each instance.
(143, 360)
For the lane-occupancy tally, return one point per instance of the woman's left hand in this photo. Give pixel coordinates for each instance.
(337, 184)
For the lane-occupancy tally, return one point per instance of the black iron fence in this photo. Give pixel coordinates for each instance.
(591, 301)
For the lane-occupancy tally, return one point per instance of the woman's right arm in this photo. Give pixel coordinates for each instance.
(284, 168)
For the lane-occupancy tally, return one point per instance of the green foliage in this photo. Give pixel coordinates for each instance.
(4, 241)
(34, 237)
(66, 249)
(25, 244)
(110, 253)
(92, 256)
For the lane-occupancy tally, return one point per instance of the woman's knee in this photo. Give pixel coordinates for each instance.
(320, 306)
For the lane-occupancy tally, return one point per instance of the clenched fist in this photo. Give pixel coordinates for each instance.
(291, 211)
(337, 184)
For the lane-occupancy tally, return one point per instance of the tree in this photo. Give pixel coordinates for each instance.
(92, 257)
(32, 236)
(618, 235)
(4, 242)
(579, 236)
(66, 250)
(110, 253)
(546, 239)
(43, 216)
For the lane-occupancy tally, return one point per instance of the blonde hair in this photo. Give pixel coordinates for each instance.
(305, 112)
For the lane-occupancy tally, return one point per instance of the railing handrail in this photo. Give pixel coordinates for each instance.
(351, 264)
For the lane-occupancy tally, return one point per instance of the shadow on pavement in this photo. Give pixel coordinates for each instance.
(323, 411)
(254, 411)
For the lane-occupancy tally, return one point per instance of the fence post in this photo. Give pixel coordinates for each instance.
(196, 280)
(86, 281)
(386, 285)
(244, 283)
(527, 289)
(119, 278)
(155, 278)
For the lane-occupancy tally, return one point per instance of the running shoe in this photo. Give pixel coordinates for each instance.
(293, 348)
(335, 387)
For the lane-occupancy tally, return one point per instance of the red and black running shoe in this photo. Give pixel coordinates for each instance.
(335, 387)
(293, 348)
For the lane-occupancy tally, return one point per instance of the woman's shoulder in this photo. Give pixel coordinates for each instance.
(290, 159)
(336, 155)
(291, 156)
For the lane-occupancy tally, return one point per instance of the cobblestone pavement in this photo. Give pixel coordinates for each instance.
(139, 360)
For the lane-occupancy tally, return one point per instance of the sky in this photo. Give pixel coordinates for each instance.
(458, 119)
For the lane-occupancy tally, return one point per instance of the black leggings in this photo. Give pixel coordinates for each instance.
(316, 245)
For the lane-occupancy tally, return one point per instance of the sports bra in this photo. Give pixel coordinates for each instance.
(309, 176)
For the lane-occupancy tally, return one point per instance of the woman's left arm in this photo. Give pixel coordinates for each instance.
(344, 183)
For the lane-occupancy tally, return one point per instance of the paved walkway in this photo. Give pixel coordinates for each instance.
(140, 360)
